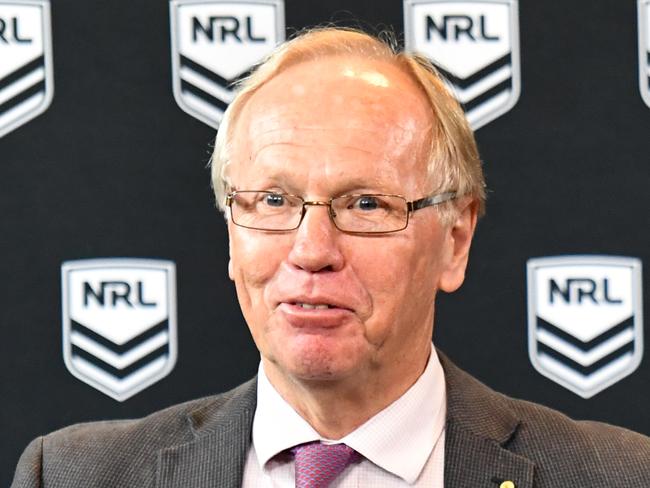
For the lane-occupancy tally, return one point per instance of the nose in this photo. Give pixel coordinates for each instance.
(316, 247)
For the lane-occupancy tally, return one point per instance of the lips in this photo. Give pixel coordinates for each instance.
(312, 306)
(314, 312)
(316, 303)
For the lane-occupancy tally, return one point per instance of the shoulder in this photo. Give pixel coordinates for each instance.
(561, 449)
(588, 450)
(120, 452)
(157, 430)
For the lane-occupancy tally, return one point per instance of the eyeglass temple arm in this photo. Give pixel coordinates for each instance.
(431, 201)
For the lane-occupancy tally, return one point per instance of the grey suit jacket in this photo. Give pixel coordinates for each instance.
(489, 438)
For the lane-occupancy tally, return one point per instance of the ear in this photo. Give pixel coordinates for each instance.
(459, 240)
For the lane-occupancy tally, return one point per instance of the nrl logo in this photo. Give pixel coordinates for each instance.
(475, 46)
(26, 80)
(585, 326)
(119, 323)
(215, 44)
(644, 50)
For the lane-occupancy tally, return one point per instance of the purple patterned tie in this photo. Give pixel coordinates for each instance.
(317, 465)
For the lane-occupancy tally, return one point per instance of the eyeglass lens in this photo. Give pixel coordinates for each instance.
(351, 213)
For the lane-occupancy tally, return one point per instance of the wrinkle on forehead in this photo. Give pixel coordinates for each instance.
(389, 143)
(333, 104)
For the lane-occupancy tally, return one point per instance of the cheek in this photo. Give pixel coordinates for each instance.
(254, 261)
(376, 264)
(392, 265)
(387, 270)
(401, 276)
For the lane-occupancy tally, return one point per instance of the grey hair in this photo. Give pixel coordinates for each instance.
(454, 163)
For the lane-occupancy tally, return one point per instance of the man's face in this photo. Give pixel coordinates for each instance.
(322, 129)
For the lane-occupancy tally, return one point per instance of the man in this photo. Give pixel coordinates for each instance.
(352, 185)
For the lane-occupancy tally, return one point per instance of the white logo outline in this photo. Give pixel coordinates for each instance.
(48, 71)
(220, 90)
(118, 391)
(644, 49)
(584, 385)
(469, 93)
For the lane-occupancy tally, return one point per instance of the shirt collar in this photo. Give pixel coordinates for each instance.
(276, 425)
(399, 439)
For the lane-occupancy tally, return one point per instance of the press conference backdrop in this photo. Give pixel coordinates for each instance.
(115, 295)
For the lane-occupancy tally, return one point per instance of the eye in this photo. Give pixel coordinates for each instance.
(274, 199)
(365, 202)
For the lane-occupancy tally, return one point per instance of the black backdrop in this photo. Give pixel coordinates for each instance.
(115, 168)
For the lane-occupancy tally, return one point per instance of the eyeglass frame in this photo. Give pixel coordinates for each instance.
(412, 206)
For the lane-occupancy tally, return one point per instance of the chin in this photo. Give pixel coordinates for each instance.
(317, 359)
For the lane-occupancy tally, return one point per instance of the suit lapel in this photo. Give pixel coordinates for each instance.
(216, 457)
(480, 424)
(474, 462)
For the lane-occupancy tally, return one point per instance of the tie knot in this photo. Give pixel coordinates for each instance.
(317, 464)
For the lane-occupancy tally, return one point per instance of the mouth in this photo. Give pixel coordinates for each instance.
(314, 314)
(312, 306)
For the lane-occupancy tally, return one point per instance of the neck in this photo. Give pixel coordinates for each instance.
(334, 408)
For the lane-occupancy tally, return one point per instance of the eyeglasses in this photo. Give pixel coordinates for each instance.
(355, 214)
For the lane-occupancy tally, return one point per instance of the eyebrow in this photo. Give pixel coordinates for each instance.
(353, 185)
(358, 185)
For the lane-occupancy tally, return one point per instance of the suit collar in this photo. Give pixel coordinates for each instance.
(216, 456)
(480, 425)
(474, 407)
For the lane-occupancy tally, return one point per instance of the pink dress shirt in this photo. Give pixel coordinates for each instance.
(403, 445)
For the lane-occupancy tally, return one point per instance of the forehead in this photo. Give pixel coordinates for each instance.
(334, 110)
